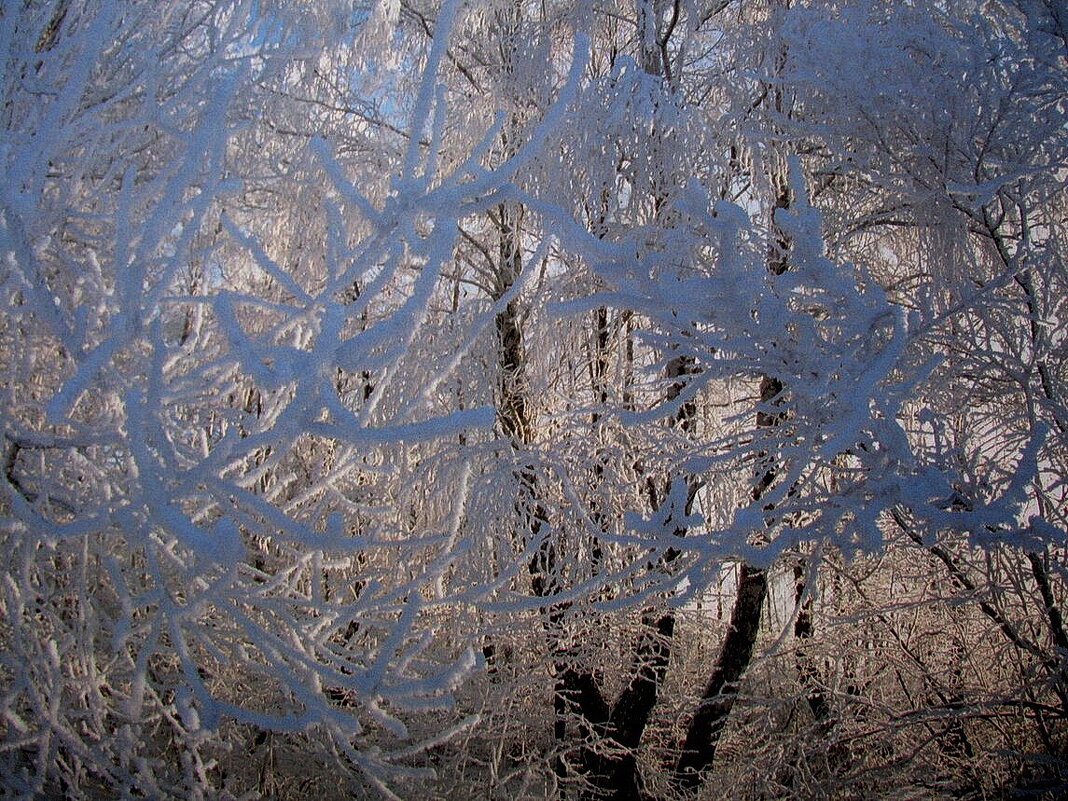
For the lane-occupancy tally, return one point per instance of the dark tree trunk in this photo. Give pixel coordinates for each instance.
(721, 691)
(717, 700)
(616, 775)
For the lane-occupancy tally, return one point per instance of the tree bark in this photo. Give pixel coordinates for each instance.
(721, 691)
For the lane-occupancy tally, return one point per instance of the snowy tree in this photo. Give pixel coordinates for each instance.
(391, 389)
(221, 475)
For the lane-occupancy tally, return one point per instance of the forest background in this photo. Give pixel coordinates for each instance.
(502, 399)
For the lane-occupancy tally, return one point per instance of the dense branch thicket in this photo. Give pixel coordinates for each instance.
(639, 399)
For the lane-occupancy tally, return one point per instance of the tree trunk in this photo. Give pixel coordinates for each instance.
(717, 700)
(721, 691)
